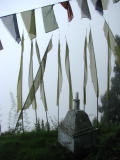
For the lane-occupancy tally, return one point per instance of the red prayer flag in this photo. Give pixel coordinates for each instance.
(67, 6)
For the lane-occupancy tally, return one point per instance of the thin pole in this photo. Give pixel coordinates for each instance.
(108, 109)
(22, 123)
(58, 113)
(36, 115)
(47, 119)
(97, 111)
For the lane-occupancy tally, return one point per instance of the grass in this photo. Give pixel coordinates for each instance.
(32, 146)
(43, 145)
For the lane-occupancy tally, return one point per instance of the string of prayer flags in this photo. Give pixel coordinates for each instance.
(1, 46)
(67, 67)
(85, 13)
(98, 6)
(112, 44)
(115, 1)
(30, 77)
(105, 4)
(19, 84)
(49, 19)
(67, 6)
(11, 24)
(60, 77)
(85, 72)
(93, 68)
(29, 22)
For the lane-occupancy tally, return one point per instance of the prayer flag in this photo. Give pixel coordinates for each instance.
(93, 68)
(19, 84)
(49, 19)
(112, 44)
(36, 82)
(42, 89)
(98, 6)
(29, 22)
(11, 24)
(115, 1)
(85, 71)
(67, 65)
(105, 4)
(84, 8)
(67, 6)
(60, 77)
(1, 47)
(30, 78)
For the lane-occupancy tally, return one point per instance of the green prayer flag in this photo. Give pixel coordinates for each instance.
(105, 4)
(49, 19)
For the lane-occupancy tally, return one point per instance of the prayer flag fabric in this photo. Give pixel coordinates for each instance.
(115, 1)
(49, 19)
(105, 4)
(42, 89)
(67, 6)
(67, 66)
(11, 24)
(1, 46)
(30, 78)
(85, 13)
(112, 44)
(85, 71)
(98, 6)
(29, 22)
(93, 68)
(60, 77)
(19, 84)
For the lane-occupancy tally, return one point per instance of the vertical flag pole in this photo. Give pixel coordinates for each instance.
(97, 111)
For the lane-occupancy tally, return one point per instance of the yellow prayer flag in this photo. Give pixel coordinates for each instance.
(29, 21)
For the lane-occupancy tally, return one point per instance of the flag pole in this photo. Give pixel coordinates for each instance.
(97, 111)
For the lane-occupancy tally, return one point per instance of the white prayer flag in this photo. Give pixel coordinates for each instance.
(19, 85)
(67, 65)
(93, 68)
(60, 77)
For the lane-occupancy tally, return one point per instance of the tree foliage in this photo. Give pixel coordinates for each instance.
(110, 108)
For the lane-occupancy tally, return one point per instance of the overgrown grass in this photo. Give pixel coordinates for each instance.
(43, 145)
(32, 146)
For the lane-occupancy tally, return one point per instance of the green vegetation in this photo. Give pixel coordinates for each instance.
(43, 145)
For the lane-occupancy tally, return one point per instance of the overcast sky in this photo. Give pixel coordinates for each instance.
(75, 32)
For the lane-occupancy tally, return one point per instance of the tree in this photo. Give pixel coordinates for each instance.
(110, 108)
